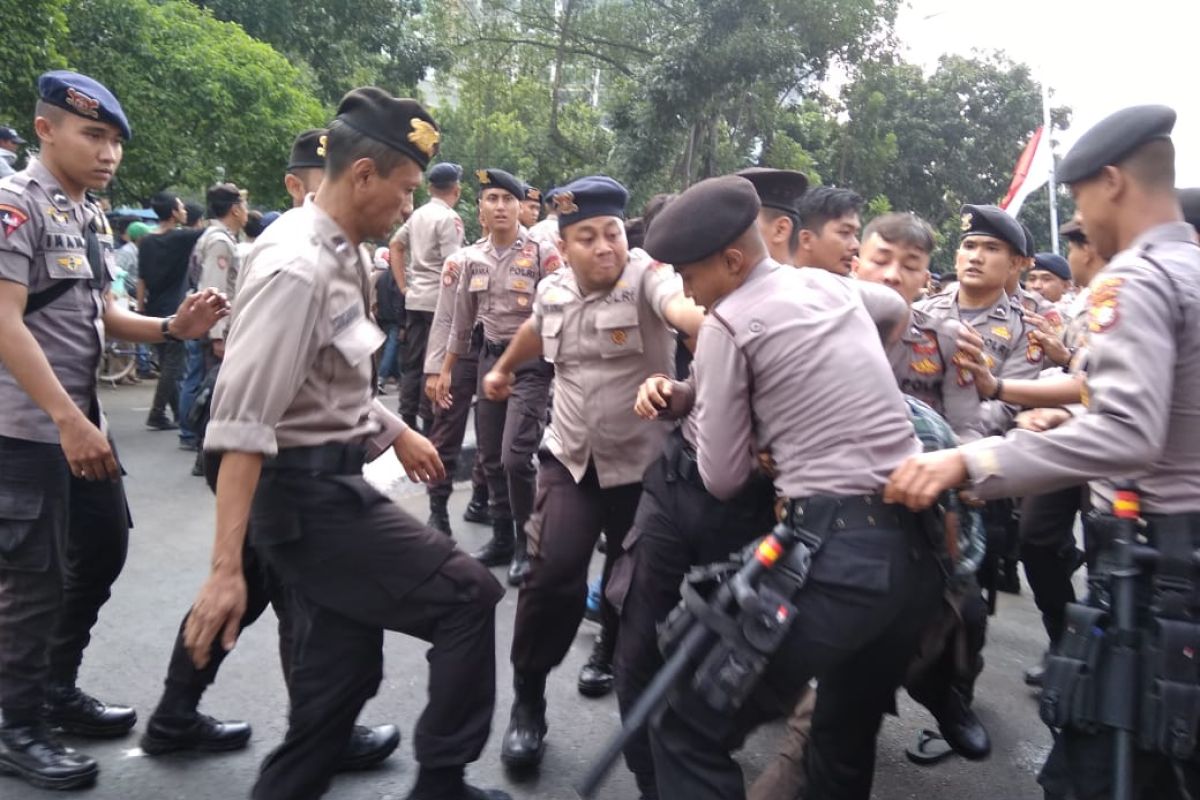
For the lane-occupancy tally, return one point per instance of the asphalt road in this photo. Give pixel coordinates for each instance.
(168, 560)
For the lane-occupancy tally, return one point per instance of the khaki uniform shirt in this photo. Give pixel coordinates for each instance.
(216, 257)
(1007, 345)
(922, 361)
(298, 368)
(497, 288)
(603, 346)
(791, 362)
(43, 241)
(443, 315)
(546, 232)
(430, 235)
(1143, 389)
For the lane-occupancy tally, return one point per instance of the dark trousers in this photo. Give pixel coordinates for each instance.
(413, 402)
(171, 357)
(870, 593)
(567, 521)
(450, 424)
(677, 525)
(185, 684)
(63, 543)
(1048, 551)
(510, 432)
(354, 564)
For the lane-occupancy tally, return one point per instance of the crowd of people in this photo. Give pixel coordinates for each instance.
(742, 355)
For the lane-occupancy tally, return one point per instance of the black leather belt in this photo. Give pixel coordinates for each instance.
(843, 511)
(341, 458)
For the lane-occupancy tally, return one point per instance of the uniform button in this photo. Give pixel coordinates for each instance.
(756, 326)
(871, 521)
(839, 523)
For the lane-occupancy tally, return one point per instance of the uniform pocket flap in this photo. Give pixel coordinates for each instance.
(552, 324)
(479, 282)
(23, 503)
(359, 341)
(68, 265)
(618, 315)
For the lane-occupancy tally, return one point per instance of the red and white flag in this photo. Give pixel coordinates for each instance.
(1032, 172)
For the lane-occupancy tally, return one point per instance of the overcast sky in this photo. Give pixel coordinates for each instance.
(1097, 56)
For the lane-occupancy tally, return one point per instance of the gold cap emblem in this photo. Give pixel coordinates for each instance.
(322, 143)
(564, 203)
(424, 136)
(967, 220)
(484, 178)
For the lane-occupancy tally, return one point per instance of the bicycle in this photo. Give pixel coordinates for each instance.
(117, 362)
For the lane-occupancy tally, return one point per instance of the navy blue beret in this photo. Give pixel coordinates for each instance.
(444, 174)
(778, 188)
(1113, 138)
(705, 219)
(1030, 245)
(499, 179)
(1189, 199)
(995, 222)
(84, 96)
(1053, 262)
(400, 123)
(308, 150)
(593, 196)
(533, 193)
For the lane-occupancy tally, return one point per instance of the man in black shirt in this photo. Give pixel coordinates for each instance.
(163, 266)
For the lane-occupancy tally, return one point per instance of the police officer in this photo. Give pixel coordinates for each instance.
(424, 243)
(832, 433)
(779, 191)
(496, 288)
(295, 429)
(531, 206)
(603, 324)
(10, 142)
(1143, 332)
(1050, 277)
(64, 524)
(176, 724)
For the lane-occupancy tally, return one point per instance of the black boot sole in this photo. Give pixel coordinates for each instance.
(80, 781)
(482, 518)
(594, 689)
(495, 561)
(524, 763)
(158, 746)
(86, 731)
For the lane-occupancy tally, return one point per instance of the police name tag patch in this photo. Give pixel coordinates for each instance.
(1102, 304)
(12, 218)
(346, 318)
(478, 283)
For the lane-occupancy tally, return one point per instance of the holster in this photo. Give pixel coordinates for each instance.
(1072, 682)
(1170, 709)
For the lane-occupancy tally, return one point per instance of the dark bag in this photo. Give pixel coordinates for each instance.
(389, 301)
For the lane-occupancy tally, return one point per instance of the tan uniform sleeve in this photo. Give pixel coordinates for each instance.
(443, 318)
(449, 235)
(886, 308)
(723, 418)
(218, 270)
(390, 428)
(960, 401)
(265, 363)
(466, 309)
(1130, 375)
(660, 285)
(996, 416)
(402, 236)
(20, 233)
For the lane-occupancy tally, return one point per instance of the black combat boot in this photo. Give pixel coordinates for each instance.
(596, 676)
(961, 728)
(30, 752)
(448, 783)
(195, 731)
(368, 747)
(71, 711)
(525, 740)
(439, 515)
(518, 571)
(499, 550)
(477, 509)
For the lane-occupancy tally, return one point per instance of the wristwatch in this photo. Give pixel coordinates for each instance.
(166, 330)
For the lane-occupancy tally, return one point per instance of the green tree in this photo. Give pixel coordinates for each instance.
(205, 100)
(30, 45)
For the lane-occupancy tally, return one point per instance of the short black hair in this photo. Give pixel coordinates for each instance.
(773, 214)
(346, 145)
(195, 213)
(825, 204)
(164, 204)
(902, 227)
(254, 224)
(220, 206)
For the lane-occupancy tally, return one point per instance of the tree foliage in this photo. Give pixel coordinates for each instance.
(30, 44)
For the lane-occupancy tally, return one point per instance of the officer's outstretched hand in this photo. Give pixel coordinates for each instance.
(198, 313)
(1047, 337)
(497, 385)
(88, 451)
(218, 609)
(653, 396)
(419, 457)
(920, 479)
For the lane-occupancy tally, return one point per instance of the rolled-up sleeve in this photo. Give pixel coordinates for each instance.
(723, 418)
(466, 309)
(390, 428)
(218, 270)
(661, 284)
(272, 346)
(443, 318)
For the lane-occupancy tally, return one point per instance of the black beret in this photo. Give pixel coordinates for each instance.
(1189, 199)
(223, 193)
(1073, 229)
(703, 220)
(84, 96)
(594, 196)
(1113, 138)
(995, 222)
(444, 174)
(309, 149)
(1054, 263)
(778, 188)
(400, 123)
(533, 193)
(1030, 245)
(499, 179)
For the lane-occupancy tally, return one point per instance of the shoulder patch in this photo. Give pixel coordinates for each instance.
(11, 218)
(1102, 304)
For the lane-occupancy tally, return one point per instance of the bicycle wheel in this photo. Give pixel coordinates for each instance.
(117, 362)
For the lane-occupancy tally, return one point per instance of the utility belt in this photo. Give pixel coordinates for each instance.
(1145, 680)
(681, 464)
(340, 458)
(753, 632)
(494, 348)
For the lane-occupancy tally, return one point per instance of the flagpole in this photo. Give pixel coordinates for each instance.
(1048, 132)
